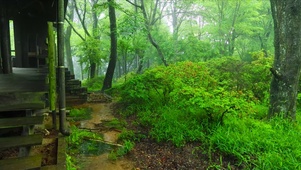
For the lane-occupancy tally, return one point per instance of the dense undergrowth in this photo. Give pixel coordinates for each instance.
(220, 103)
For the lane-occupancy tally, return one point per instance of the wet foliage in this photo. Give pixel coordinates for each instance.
(221, 104)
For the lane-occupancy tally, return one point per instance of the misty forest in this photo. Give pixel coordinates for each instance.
(193, 84)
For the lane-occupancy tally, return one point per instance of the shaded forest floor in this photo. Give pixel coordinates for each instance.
(147, 153)
(152, 155)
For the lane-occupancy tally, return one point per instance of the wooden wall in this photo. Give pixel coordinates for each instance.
(30, 41)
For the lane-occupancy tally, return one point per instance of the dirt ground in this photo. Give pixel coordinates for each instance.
(148, 154)
(151, 155)
(102, 112)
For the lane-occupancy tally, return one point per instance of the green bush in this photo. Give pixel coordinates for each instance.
(251, 78)
(222, 103)
(181, 102)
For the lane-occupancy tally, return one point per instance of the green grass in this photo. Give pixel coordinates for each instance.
(114, 124)
(273, 144)
(80, 114)
(121, 151)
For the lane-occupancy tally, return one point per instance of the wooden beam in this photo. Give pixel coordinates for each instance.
(61, 152)
(20, 121)
(30, 162)
(15, 141)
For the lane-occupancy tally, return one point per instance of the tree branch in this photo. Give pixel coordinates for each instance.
(82, 20)
(138, 6)
(77, 33)
(149, 35)
(153, 15)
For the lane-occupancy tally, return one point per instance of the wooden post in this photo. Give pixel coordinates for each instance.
(27, 130)
(52, 73)
(61, 68)
(5, 43)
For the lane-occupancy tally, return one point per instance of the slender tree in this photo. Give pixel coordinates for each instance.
(82, 16)
(96, 35)
(150, 20)
(107, 83)
(287, 62)
(68, 31)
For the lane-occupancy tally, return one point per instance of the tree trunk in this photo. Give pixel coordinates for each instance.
(124, 58)
(287, 63)
(68, 32)
(107, 83)
(95, 34)
(92, 69)
(140, 64)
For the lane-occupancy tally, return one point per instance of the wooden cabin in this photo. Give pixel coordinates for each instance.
(27, 75)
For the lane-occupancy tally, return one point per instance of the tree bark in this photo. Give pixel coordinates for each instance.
(68, 32)
(287, 62)
(95, 33)
(107, 83)
(93, 72)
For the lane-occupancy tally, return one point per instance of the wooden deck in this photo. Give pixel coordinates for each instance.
(24, 89)
(24, 80)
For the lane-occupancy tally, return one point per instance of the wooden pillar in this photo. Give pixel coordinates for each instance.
(61, 68)
(27, 130)
(52, 73)
(18, 44)
(5, 43)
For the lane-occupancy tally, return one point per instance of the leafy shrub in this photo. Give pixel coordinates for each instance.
(251, 78)
(169, 99)
(223, 103)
